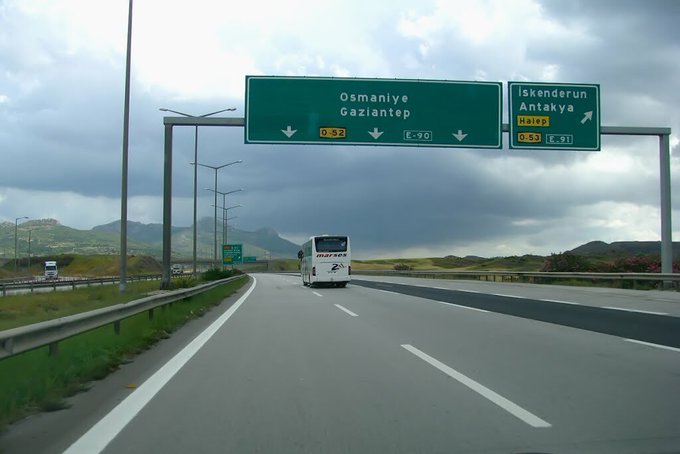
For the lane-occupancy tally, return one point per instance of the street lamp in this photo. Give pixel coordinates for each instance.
(162, 109)
(215, 168)
(224, 216)
(16, 229)
(226, 219)
(29, 249)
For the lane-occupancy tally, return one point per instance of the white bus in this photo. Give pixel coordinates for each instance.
(326, 259)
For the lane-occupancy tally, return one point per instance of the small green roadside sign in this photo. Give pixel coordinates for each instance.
(232, 254)
(352, 111)
(249, 259)
(554, 116)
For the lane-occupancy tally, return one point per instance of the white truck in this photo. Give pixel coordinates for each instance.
(51, 271)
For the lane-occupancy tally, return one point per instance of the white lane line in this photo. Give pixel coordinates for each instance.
(344, 309)
(387, 291)
(462, 307)
(634, 310)
(509, 296)
(467, 291)
(505, 404)
(561, 302)
(318, 294)
(441, 288)
(649, 344)
(100, 435)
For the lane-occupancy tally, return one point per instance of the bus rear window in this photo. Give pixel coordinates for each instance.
(331, 244)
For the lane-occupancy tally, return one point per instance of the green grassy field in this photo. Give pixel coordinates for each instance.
(513, 263)
(20, 310)
(33, 381)
(82, 265)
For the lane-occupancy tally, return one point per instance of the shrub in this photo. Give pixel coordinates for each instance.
(216, 274)
(567, 262)
(183, 282)
(402, 267)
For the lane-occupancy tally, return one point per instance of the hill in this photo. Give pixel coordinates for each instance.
(623, 248)
(49, 237)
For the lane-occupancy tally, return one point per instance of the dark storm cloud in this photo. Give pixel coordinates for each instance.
(62, 131)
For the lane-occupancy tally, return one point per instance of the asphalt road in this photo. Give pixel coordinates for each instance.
(367, 369)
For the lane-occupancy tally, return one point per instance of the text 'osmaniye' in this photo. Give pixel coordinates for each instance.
(382, 105)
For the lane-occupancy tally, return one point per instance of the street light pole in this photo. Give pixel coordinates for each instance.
(224, 216)
(16, 229)
(224, 198)
(226, 228)
(29, 249)
(122, 285)
(230, 109)
(216, 168)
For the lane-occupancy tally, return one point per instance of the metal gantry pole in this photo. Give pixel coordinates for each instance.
(224, 221)
(215, 225)
(194, 273)
(167, 207)
(666, 209)
(663, 135)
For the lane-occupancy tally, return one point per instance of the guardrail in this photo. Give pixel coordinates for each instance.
(665, 279)
(72, 282)
(51, 332)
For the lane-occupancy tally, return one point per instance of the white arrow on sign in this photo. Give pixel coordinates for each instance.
(375, 133)
(460, 136)
(587, 116)
(289, 132)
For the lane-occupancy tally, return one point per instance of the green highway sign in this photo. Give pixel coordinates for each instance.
(232, 254)
(249, 259)
(554, 116)
(327, 110)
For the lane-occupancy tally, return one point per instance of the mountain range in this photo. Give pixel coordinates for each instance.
(49, 237)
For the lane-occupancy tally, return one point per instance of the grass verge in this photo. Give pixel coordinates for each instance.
(33, 381)
(21, 310)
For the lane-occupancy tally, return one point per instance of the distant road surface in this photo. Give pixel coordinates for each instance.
(377, 368)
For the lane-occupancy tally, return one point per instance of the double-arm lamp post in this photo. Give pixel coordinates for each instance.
(216, 168)
(224, 215)
(225, 220)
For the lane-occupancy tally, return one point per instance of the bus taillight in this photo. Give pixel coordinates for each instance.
(349, 270)
(313, 271)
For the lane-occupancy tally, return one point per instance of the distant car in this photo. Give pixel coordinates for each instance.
(177, 269)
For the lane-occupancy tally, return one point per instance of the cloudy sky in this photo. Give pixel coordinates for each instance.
(62, 66)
